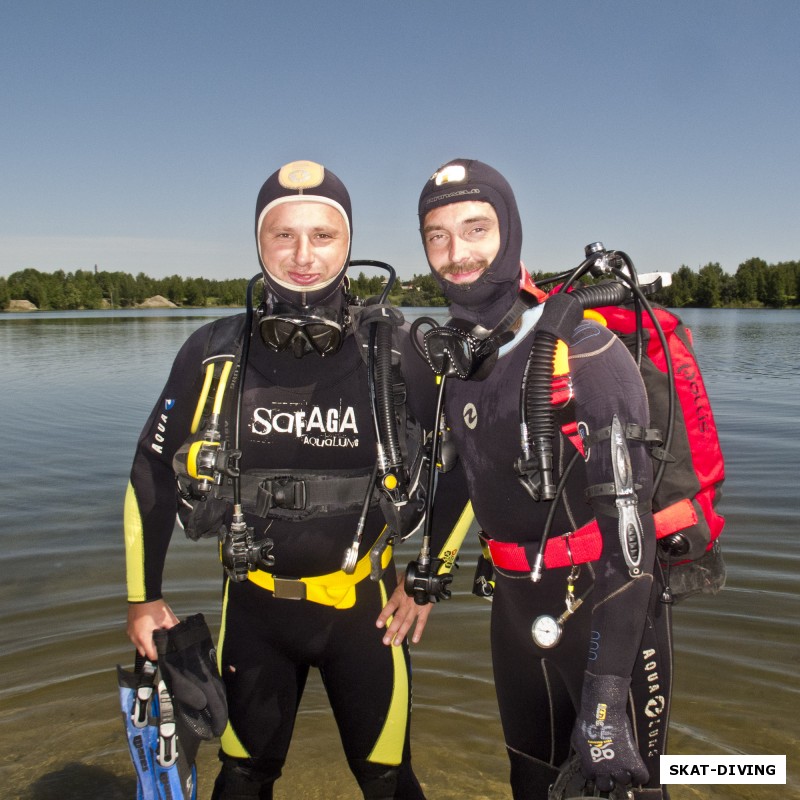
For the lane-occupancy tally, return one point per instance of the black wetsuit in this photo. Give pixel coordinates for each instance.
(298, 414)
(617, 630)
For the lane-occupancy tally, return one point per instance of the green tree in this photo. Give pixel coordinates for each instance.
(709, 286)
(682, 290)
(421, 291)
(145, 287)
(774, 289)
(29, 284)
(5, 296)
(749, 279)
(195, 292)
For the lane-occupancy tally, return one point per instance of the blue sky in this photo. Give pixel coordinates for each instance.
(135, 135)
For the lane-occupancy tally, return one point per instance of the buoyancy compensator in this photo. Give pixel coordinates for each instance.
(215, 491)
(683, 439)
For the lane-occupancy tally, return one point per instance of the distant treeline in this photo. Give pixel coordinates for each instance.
(755, 284)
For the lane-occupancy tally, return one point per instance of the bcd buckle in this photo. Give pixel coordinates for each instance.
(285, 493)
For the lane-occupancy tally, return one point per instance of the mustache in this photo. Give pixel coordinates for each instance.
(452, 268)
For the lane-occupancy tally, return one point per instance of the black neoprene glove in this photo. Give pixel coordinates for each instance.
(187, 662)
(603, 737)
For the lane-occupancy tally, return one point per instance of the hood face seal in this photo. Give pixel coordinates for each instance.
(485, 300)
(304, 181)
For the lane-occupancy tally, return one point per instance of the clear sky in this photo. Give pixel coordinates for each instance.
(135, 135)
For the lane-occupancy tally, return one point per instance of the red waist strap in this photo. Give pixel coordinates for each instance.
(584, 544)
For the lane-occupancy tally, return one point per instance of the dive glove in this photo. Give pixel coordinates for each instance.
(603, 738)
(187, 661)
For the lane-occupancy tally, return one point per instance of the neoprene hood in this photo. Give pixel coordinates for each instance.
(304, 181)
(486, 299)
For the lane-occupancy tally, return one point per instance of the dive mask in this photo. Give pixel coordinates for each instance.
(462, 349)
(303, 330)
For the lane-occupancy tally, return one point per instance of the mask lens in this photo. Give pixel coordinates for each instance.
(450, 351)
(280, 331)
(277, 333)
(324, 337)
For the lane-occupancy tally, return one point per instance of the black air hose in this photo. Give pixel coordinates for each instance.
(537, 435)
(384, 397)
(607, 293)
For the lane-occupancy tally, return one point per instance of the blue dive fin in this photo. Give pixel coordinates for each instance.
(163, 770)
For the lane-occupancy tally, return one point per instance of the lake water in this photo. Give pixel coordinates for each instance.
(76, 390)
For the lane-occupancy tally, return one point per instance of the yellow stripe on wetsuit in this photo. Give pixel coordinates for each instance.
(388, 748)
(134, 547)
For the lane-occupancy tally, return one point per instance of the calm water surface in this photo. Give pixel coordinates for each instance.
(75, 392)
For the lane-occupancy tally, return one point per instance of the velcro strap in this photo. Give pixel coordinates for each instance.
(570, 430)
(674, 518)
(271, 493)
(633, 432)
(583, 544)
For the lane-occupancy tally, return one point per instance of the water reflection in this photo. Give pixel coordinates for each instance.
(77, 390)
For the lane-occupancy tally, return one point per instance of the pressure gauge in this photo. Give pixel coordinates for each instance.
(546, 631)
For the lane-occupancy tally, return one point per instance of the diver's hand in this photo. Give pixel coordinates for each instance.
(143, 619)
(602, 736)
(400, 613)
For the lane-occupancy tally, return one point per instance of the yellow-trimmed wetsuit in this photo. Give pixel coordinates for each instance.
(297, 415)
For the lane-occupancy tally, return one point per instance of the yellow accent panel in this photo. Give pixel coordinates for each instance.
(454, 541)
(134, 547)
(198, 412)
(590, 313)
(561, 361)
(389, 747)
(337, 589)
(230, 742)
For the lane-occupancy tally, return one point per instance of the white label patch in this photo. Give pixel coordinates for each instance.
(470, 415)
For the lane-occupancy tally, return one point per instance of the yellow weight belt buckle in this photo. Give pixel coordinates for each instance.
(289, 588)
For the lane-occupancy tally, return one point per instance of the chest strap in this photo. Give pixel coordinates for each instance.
(337, 589)
(583, 544)
(299, 494)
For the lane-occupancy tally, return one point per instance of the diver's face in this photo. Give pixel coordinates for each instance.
(461, 239)
(303, 243)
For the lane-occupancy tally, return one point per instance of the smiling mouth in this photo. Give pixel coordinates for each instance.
(463, 273)
(304, 278)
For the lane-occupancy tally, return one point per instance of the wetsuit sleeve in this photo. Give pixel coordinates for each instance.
(151, 499)
(607, 383)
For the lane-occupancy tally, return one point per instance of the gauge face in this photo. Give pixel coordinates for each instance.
(546, 631)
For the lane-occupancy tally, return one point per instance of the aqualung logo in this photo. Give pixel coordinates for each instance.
(158, 436)
(317, 427)
(470, 415)
(656, 704)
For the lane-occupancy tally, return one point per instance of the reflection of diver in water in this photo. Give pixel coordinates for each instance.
(281, 465)
(581, 652)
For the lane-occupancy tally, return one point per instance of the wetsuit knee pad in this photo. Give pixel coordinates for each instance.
(246, 778)
(383, 782)
(531, 778)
